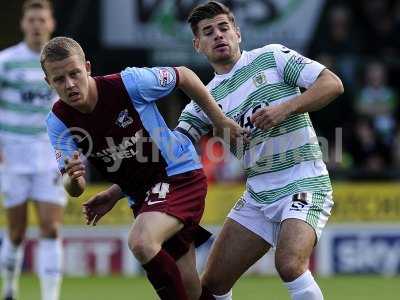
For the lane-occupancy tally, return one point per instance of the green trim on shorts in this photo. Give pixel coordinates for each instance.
(317, 207)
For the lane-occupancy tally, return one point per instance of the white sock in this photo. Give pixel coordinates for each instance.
(227, 296)
(11, 263)
(304, 288)
(50, 268)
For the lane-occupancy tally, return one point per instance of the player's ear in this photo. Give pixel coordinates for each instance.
(88, 67)
(196, 44)
(239, 35)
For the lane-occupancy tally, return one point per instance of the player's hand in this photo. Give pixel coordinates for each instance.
(74, 166)
(270, 116)
(229, 128)
(96, 207)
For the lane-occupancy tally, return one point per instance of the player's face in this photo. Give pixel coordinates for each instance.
(218, 39)
(37, 24)
(70, 78)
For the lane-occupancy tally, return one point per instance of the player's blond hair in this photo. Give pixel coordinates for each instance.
(60, 48)
(208, 11)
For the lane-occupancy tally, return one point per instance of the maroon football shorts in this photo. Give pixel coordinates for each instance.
(182, 196)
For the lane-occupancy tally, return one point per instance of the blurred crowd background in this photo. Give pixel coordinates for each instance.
(359, 40)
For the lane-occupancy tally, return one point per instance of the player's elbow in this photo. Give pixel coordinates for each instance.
(339, 88)
(335, 84)
(182, 69)
(185, 76)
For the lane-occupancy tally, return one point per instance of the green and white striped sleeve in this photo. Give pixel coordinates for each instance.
(296, 69)
(193, 122)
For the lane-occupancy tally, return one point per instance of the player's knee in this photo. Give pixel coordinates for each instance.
(49, 231)
(290, 269)
(142, 248)
(17, 236)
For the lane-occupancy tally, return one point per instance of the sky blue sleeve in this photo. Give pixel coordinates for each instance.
(145, 85)
(61, 140)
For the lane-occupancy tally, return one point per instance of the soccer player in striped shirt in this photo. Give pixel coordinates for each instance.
(288, 196)
(28, 174)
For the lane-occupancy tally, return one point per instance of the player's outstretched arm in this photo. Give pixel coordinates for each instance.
(73, 178)
(99, 205)
(192, 86)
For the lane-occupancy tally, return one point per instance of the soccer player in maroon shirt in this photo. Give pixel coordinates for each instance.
(114, 122)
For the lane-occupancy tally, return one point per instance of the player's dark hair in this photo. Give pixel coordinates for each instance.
(208, 11)
(60, 48)
(37, 4)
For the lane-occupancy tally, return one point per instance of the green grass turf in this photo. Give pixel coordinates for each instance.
(249, 288)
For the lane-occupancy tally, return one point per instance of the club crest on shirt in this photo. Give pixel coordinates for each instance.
(124, 120)
(165, 77)
(259, 79)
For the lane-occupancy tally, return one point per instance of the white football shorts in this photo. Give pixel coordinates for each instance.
(265, 219)
(43, 187)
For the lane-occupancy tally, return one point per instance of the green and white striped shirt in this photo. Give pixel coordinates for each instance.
(25, 101)
(283, 160)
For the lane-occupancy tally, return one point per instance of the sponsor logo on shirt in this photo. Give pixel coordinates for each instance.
(126, 149)
(124, 120)
(165, 77)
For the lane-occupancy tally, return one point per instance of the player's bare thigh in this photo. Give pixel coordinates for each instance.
(50, 216)
(295, 244)
(149, 231)
(235, 250)
(187, 268)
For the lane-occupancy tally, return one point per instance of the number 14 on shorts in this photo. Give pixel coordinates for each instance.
(161, 189)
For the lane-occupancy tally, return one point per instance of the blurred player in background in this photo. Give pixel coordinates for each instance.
(114, 120)
(25, 151)
(288, 195)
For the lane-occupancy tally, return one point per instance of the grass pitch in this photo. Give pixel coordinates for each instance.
(248, 288)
